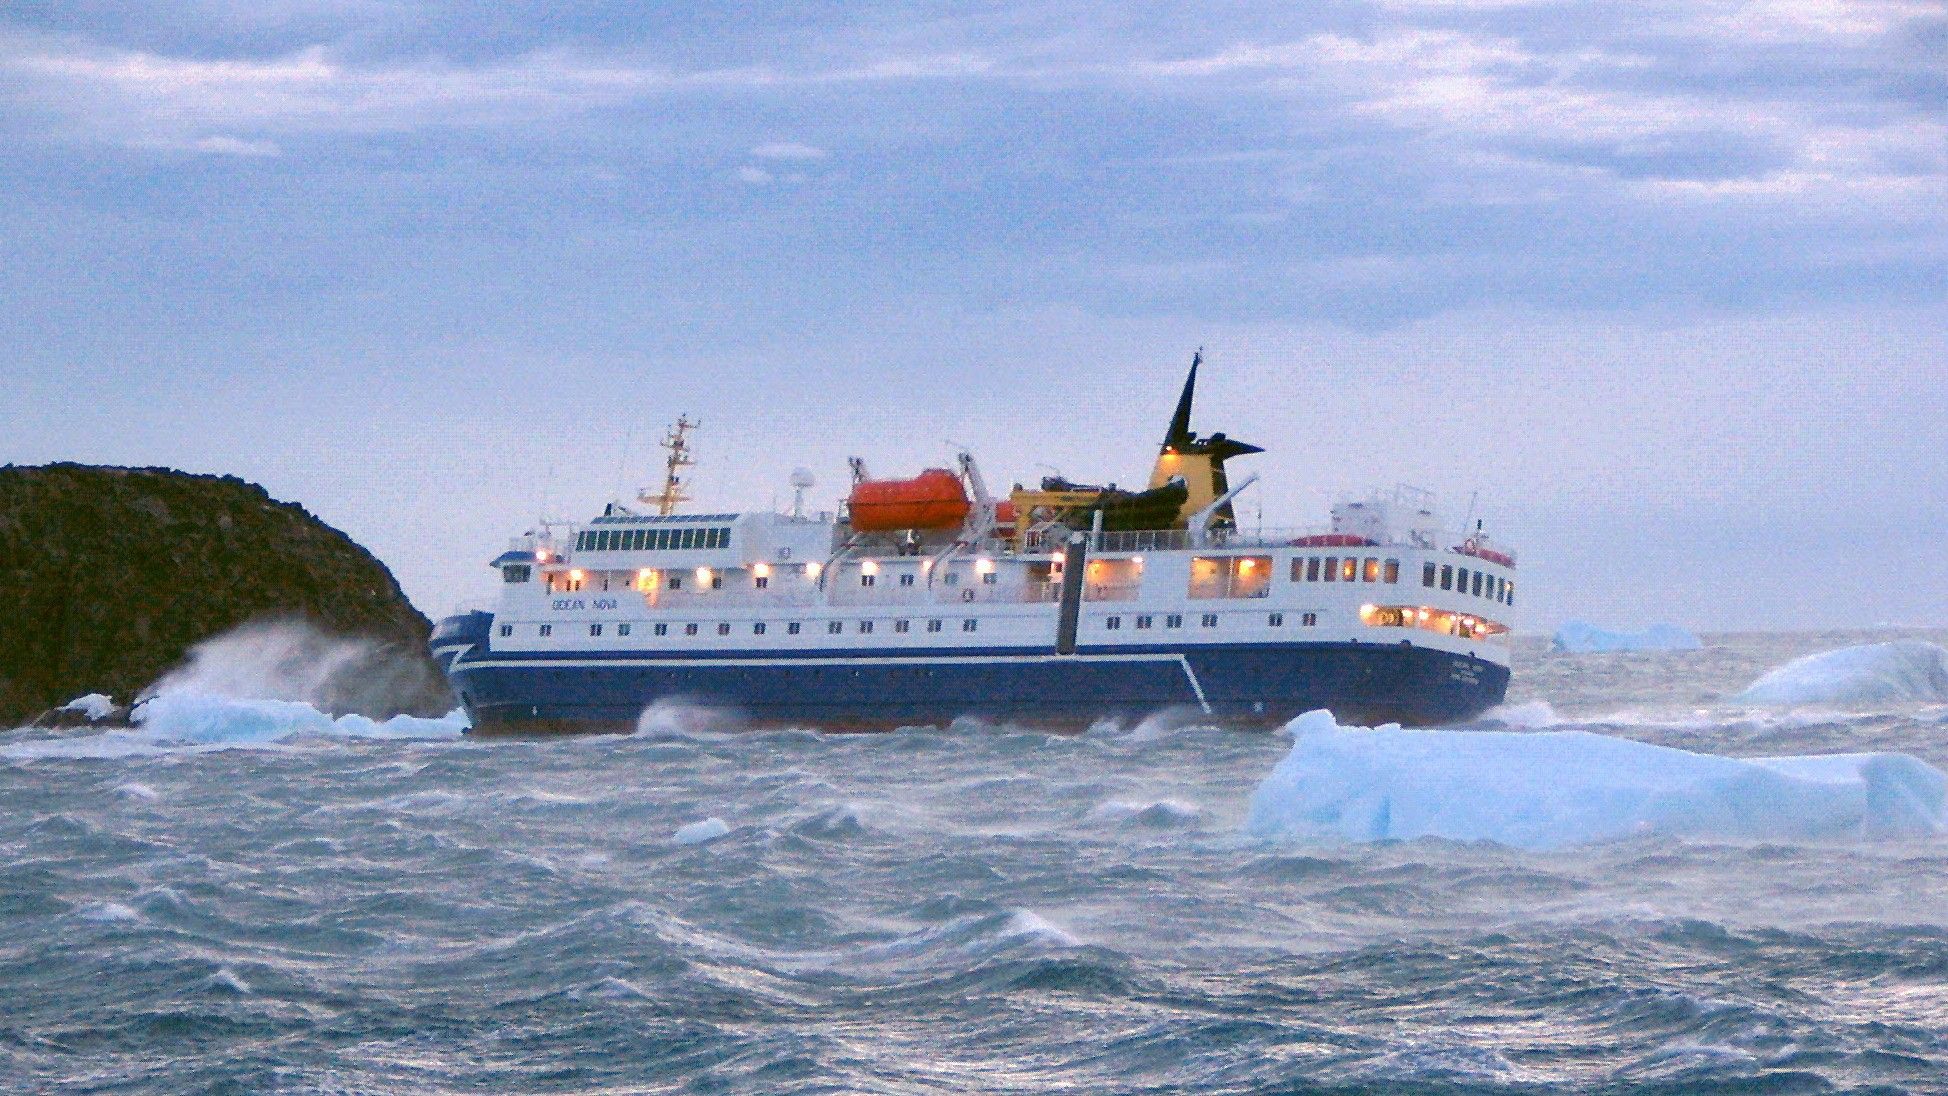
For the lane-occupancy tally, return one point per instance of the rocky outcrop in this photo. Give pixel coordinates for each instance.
(108, 577)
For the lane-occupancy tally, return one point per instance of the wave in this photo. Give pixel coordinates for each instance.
(196, 721)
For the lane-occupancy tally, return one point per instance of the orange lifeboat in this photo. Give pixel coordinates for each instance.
(934, 499)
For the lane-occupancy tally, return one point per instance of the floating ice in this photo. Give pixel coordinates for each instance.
(1577, 637)
(698, 833)
(1903, 671)
(96, 706)
(1546, 789)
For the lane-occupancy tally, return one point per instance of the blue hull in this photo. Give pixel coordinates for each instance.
(1259, 684)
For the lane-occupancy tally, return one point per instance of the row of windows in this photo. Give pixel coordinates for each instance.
(651, 540)
(792, 628)
(1478, 583)
(1346, 569)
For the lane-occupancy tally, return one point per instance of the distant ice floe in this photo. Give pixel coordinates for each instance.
(1547, 789)
(698, 833)
(1577, 637)
(1903, 671)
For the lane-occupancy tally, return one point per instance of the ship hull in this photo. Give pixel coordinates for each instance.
(1243, 685)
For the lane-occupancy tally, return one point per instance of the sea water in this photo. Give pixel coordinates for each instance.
(243, 896)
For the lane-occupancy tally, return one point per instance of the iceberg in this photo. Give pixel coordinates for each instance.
(1577, 637)
(1544, 790)
(1903, 671)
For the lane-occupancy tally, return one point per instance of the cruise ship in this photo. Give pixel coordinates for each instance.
(930, 599)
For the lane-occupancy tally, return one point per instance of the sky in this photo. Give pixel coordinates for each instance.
(1662, 287)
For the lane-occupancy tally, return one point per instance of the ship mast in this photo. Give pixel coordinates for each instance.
(677, 441)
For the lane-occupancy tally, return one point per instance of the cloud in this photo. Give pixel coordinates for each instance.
(789, 150)
(753, 176)
(235, 146)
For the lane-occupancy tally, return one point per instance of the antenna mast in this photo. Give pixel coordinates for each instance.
(677, 441)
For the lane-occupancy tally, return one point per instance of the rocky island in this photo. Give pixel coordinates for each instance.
(108, 577)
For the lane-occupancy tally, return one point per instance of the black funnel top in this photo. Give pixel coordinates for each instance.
(1179, 437)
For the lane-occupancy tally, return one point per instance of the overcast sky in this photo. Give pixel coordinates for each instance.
(1665, 283)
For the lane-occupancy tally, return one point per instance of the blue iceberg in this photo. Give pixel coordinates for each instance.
(1551, 789)
(1577, 637)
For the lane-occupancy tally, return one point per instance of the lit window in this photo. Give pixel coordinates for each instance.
(792, 629)
(622, 629)
(1298, 569)
(1349, 569)
(1209, 620)
(1371, 572)
(1276, 620)
(834, 627)
(1510, 600)
(1308, 620)
(662, 629)
(689, 629)
(547, 629)
(969, 625)
(1391, 571)
(933, 626)
(507, 629)
(1113, 623)
(1332, 568)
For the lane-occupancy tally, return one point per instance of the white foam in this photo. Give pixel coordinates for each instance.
(194, 721)
(1547, 789)
(96, 706)
(133, 790)
(109, 912)
(698, 833)
(1578, 637)
(1530, 715)
(1904, 671)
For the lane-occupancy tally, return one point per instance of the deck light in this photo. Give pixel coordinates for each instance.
(870, 567)
(1060, 557)
(983, 566)
(812, 569)
(703, 575)
(575, 575)
(761, 570)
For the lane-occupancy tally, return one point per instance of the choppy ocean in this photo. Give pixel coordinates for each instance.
(278, 903)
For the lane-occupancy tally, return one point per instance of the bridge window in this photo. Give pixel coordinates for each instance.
(1390, 572)
(1312, 569)
(1447, 576)
(1332, 568)
(1477, 583)
(1348, 569)
(1372, 571)
(516, 572)
(1427, 574)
